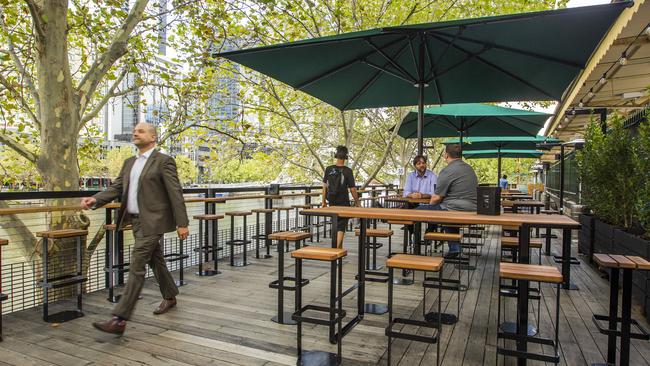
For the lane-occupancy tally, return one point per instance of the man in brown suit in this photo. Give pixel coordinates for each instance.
(152, 201)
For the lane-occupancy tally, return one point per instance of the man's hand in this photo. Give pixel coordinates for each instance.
(183, 232)
(87, 203)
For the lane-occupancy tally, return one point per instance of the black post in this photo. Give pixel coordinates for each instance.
(498, 165)
(603, 120)
(561, 179)
(421, 97)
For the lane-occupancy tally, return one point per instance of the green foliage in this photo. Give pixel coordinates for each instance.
(115, 159)
(187, 170)
(517, 170)
(16, 171)
(643, 155)
(260, 167)
(610, 172)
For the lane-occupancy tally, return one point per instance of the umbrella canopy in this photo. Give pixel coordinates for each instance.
(473, 119)
(485, 154)
(502, 142)
(530, 56)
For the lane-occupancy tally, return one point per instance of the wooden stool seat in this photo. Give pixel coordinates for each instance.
(113, 227)
(415, 262)
(4, 241)
(376, 233)
(530, 272)
(301, 206)
(513, 242)
(549, 212)
(64, 233)
(443, 236)
(262, 210)
(208, 217)
(621, 261)
(214, 200)
(238, 213)
(400, 222)
(319, 254)
(289, 235)
(510, 228)
(282, 208)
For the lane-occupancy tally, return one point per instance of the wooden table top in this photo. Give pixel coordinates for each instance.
(447, 217)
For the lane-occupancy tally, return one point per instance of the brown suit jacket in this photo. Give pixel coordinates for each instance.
(160, 195)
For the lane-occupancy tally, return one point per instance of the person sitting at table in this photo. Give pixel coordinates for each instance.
(455, 190)
(421, 182)
(336, 182)
(503, 182)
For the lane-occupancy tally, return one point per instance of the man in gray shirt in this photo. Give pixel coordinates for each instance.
(455, 190)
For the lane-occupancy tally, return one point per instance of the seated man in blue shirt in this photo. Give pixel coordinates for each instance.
(503, 182)
(455, 190)
(420, 183)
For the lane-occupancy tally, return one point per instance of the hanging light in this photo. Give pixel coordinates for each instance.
(581, 104)
(647, 32)
(566, 120)
(623, 59)
(603, 79)
(559, 127)
(591, 93)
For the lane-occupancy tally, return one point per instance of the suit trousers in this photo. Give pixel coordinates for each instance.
(146, 250)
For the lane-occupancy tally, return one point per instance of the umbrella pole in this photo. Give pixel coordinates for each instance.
(498, 165)
(421, 86)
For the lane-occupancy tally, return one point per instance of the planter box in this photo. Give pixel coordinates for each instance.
(586, 236)
(603, 237)
(628, 244)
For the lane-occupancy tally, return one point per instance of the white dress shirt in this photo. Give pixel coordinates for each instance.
(134, 179)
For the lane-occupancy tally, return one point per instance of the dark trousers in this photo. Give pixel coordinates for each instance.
(146, 250)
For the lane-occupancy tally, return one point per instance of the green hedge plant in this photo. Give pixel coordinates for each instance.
(610, 173)
(643, 155)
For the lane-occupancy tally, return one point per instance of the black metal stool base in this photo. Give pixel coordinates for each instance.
(180, 283)
(374, 268)
(115, 299)
(445, 318)
(377, 309)
(64, 316)
(239, 264)
(318, 358)
(511, 327)
(266, 256)
(286, 319)
(402, 281)
(207, 273)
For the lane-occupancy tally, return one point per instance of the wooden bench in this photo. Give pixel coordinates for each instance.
(628, 264)
(397, 327)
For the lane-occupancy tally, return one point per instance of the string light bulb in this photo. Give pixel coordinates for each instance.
(623, 59)
(566, 120)
(591, 93)
(603, 79)
(581, 104)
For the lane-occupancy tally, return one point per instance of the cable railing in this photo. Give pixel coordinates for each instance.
(24, 213)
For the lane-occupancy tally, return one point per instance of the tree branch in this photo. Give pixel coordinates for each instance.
(109, 94)
(34, 11)
(18, 147)
(26, 107)
(116, 49)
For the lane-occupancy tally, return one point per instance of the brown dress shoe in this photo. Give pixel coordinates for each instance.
(165, 305)
(113, 326)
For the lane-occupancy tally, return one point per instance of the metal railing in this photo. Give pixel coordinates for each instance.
(571, 179)
(21, 268)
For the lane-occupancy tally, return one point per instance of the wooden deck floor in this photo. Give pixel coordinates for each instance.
(225, 320)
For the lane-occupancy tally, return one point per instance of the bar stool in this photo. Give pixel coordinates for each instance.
(371, 247)
(525, 273)
(628, 264)
(208, 243)
(238, 242)
(112, 254)
(511, 244)
(318, 223)
(404, 281)
(179, 256)
(414, 263)
(282, 237)
(279, 210)
(3, 297)
(335, 310)
(268, 222)
(76, 278)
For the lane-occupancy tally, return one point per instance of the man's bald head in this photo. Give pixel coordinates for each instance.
(144, 135)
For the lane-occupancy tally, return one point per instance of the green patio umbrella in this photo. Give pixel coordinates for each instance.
(502, 142)
(473, 119)
(499, 154)
(529, 56)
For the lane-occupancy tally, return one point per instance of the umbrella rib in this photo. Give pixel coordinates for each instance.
(444, 52)
(390, 60)
(369, 83)
(519, 79)
(340, 67)
(470, 56)
(433, 72)
(512, 49)
(392, 73)
(415, 62)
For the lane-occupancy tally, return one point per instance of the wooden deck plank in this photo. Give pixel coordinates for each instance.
(225, 320)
